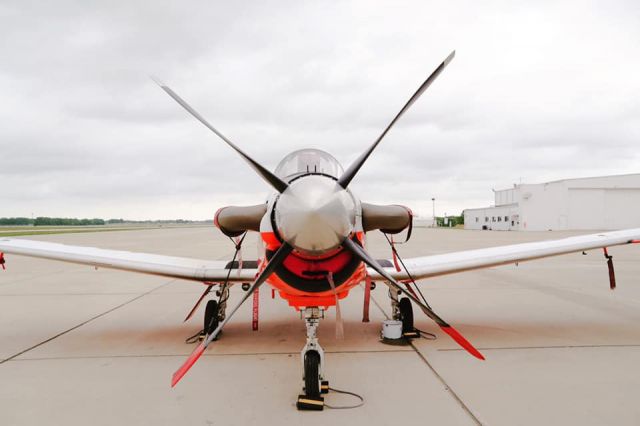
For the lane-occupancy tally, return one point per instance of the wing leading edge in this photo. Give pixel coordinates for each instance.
(154, 264)
(451, 263)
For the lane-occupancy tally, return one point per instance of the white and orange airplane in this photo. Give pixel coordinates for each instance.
(313, 230)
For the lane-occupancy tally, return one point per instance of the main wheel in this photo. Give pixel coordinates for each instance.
(211, 317)
(312, 374)
(406, 314)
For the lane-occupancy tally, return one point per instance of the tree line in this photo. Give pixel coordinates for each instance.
(61, 221)
(49, 221)
(453, 220)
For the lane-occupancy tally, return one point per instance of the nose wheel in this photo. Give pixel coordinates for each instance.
(312, 374)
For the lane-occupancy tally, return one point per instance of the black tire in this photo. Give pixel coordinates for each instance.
(406, 314)
(211, 317)
(312, 374)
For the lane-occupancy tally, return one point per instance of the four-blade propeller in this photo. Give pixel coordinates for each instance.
(286, 248)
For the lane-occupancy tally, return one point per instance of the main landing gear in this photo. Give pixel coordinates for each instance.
(400, 328)
(215, 311)
(312, 356)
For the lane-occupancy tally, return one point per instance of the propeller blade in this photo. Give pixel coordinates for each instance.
(274, 262)
(272, 179)
(452, 332)
(346, 178)
(180, 372)
(455, 335)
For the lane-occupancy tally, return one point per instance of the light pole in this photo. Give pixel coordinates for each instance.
(433, 200)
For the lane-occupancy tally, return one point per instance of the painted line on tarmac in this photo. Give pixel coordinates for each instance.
(514, 348)
(297, 353)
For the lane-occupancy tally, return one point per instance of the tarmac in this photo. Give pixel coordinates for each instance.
(80, 346)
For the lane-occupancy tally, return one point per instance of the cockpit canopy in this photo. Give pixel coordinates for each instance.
(306, 161)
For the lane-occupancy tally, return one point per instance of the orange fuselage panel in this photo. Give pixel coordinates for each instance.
(303, 280)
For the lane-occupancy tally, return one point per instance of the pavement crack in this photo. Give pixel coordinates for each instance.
(62, 333)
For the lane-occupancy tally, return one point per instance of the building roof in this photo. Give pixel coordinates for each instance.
(571, 179)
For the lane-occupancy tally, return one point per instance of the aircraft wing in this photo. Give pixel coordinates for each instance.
(214, 271)
(451, 263)
(154, 264)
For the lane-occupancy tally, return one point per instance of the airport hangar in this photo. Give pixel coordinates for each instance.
(593, 203)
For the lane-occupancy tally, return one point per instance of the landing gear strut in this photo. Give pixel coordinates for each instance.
(312, 356)
(394, 295)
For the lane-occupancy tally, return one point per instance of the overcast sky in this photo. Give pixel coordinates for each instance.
(537, 91)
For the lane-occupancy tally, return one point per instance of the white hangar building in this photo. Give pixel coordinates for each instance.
(596, 203)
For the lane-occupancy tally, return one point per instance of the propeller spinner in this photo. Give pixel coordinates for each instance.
(315, 214)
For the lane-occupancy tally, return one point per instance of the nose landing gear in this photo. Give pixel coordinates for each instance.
(312, 356)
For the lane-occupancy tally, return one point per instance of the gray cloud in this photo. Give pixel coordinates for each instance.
(537, 92)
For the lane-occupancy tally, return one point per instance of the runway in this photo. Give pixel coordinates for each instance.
(80, 346)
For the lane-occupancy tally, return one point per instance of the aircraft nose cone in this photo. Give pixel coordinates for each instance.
(315, 214)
